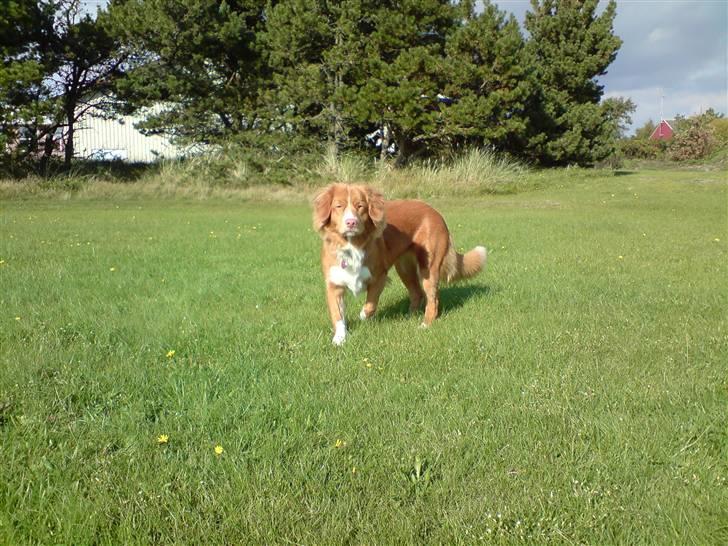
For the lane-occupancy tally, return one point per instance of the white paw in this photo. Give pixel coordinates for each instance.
(339, 333)
(362, 315)
(423, 326)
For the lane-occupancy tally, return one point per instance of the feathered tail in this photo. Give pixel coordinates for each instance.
(458, 266)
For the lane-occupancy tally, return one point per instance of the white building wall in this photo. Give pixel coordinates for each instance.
(98, 138)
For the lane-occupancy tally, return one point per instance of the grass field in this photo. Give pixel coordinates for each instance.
(167, 375)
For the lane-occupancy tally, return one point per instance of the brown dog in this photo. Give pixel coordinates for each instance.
(364, 236)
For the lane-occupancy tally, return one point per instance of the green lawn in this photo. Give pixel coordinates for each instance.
(576, 392)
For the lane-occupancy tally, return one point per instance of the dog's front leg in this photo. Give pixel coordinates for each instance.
(335, 300)
(374, 290)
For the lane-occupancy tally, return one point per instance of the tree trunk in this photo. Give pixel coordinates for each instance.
(385, 142)
(47, 152)
(405, 148)
(68, 152)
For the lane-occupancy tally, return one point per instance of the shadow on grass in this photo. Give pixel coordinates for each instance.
(623, 173)
(451, 298)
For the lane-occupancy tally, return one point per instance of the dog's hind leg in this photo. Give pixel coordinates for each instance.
(409, 272)
(430, 280)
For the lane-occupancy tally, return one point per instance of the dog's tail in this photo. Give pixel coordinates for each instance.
(458, 266)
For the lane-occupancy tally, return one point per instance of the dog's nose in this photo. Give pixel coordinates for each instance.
(351, 223)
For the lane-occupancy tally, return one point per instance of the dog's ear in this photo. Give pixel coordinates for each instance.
(322, 208)
(376, 208)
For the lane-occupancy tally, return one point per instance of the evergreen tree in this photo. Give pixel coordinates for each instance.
(86, 61)
(490, 87)
(26, 29)
(60, 58)
(201, 60)
(346, 68)
(569, 47)
(404, 72)
(314, 51)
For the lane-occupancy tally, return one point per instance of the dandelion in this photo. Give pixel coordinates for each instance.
(162, 439)
(218, 450)
(112, 269)
(17, 318)
(2, 262)
(353, 470)
(716, 240)
(621, 257)
(170, 354)
(339, 444)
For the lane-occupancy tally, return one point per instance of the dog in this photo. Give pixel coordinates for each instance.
(364, 236)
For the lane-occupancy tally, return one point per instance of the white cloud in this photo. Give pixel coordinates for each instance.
(660, 35)
(675, 102)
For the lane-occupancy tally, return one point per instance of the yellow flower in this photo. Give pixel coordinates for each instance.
(112, 269)
(339, 444)
(170, 354)
(621, 257)
(162, 439)
(716, 240)
(218, 450)
(17, 318)
(353, 470)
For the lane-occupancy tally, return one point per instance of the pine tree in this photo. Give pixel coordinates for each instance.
(313, 50)
(404, 72)
(201, 60)
(26, 29)
(86, 61)
(56, 59)
(344, 69)
(490, 87)
(569, 47)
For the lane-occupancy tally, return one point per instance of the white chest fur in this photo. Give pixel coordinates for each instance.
(350, 270)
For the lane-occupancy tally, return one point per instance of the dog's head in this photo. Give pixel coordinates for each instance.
(348, 210)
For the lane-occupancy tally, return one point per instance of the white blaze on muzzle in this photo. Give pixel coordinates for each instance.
(350, 220)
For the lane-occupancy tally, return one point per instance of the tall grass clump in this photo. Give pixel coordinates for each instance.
(475, 172)
(344, 167)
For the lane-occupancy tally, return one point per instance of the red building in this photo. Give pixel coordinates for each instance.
(663, 131)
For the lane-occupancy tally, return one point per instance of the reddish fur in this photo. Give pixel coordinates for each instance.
(407, 234)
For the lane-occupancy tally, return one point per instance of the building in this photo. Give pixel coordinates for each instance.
(663, 131)
(98, 138)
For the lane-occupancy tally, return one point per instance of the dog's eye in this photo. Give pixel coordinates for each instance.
(338, 206)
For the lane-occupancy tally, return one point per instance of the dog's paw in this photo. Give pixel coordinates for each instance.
(339, 334)
(362, 315)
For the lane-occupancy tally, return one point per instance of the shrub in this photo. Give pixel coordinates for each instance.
(694, 140)
(720, 131)
(638, 148)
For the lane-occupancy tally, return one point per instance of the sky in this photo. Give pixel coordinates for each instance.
(674, 49)
(677, 49)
